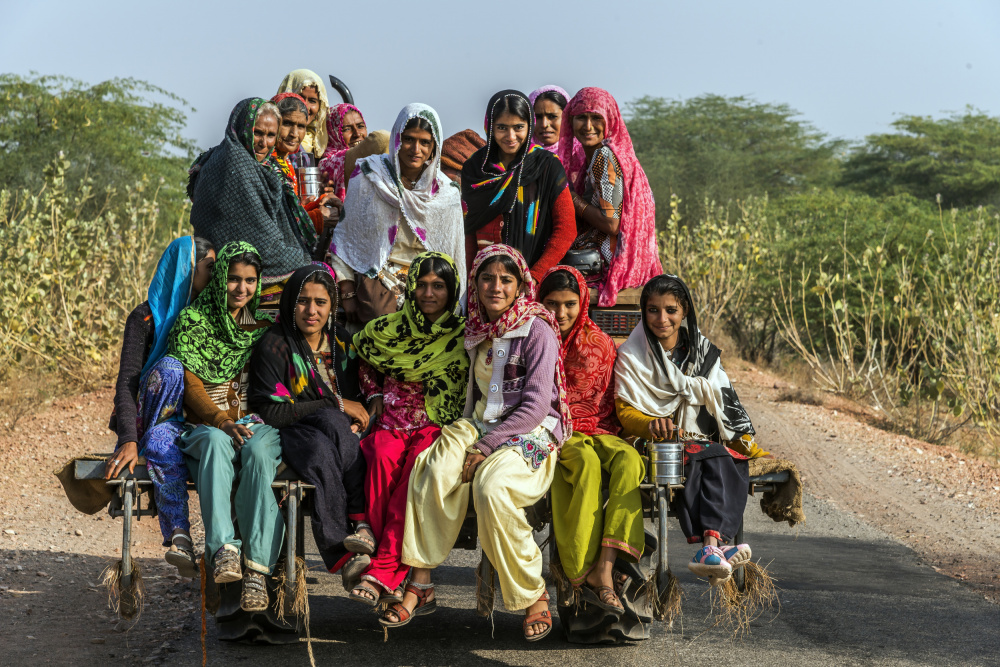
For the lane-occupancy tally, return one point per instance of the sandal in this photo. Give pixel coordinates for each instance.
(393, 597)
(603, 597)
(254, 596)
(365, 593)
(424, 607)
(361, 543)
(350, 573)
(543, 617)
(182, 557)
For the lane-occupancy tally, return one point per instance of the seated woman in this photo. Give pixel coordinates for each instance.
(503, 451)
(304, 382)
(348, 141)
(548, 103)
(668, 375)
(590, 535)
(238, 193)
(309, 85)
(615, 214)
(213, 338)
(422, 369)
(514, 192)
(398, 206)
(148, 417)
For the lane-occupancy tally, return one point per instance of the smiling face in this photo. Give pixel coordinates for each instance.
(353, 128)
(312, 308)
(291, 132)
(265, 134)
(548, 117)
(202, 273)
(496, 288)
(432, 296)
(416, 148)
(664, 315)
(565, 305)
(588, 128)
(241, 284)
(510, 132)
(311, 96)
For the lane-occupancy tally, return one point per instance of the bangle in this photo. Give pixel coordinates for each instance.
(349, 295)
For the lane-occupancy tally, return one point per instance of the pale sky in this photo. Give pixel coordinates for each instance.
(850, 67)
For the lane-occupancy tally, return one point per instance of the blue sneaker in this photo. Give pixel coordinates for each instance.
(711, 563)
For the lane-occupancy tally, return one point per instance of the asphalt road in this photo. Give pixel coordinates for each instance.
(849, 596)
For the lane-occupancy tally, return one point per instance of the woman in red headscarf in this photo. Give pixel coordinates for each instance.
(615, 213)
(348, 141)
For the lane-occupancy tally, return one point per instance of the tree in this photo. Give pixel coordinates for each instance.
(727, 148)
(957, 158)
(114, 134)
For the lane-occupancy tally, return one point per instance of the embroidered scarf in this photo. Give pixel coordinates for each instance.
(315, 140)
(205, 337)
(523, 192)
(409, 348)
(332, 164)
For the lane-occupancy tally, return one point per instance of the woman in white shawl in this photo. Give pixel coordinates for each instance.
(398, 206)
(670, 376)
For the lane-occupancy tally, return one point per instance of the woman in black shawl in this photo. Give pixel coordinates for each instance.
(238, 193)
(514, 191)
(304, 382)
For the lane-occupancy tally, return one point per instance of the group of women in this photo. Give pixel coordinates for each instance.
(400, 380)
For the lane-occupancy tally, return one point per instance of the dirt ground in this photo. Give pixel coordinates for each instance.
(54, 611)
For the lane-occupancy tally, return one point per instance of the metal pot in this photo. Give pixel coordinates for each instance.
(310, 182)
(666, 463)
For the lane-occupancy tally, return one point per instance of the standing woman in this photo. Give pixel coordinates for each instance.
(503, 451)
(213, 338)
(514, 192)
(148, 415)
(614, 205)
(590, 535)
(310, 87)
(348, 141)
(238, 193)
(668, 375)
(304, 382)
(398, 206)
(422, 370)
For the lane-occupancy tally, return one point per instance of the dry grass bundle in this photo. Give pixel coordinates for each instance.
(735, 610)
(125, 601)
(298, 606)
(485, 591)
(667, 603)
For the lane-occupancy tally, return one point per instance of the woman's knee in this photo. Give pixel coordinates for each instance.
(628, 463)
(263, 449)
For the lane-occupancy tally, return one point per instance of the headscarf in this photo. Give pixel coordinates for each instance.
(237, 198)
(690, 385)
(636, 257)
(409, 348)
(533, 96)
(332, 164)
(523, 192)
(589, 360)
(372, 214)
(315, 140)
(284, 366)
(205, 337)
(286, 167)
(169, 292)
(479, 327)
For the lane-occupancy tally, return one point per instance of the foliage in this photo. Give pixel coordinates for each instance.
(955, 158)
(721, 149)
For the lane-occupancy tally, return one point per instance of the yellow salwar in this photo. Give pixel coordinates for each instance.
(505, 483)
(582, 526)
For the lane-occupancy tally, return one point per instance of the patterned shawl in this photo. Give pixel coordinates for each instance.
(315, 140)
(636, 257)
(236, 198)
(205, 337)
(479, 327)
(523, 193)
(690, 385)
(169, 292)
(533, 95)
(432, 209)
(589, 359)
(332, 164)
(407, 347)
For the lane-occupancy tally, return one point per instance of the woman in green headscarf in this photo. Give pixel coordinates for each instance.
(415, 372)
(213, 338)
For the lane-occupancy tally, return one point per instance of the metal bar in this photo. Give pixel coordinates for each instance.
(661, 526)
(739, 576)
(127, 493)
(770, 478)
(291, 532)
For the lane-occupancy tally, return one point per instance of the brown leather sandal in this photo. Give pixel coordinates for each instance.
(423, 607)
(543, 617)
(603, 597)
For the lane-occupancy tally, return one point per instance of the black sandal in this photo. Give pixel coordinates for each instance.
(368, 594)
(601, 596)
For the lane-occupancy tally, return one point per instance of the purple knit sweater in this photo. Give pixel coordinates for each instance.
(525, 359)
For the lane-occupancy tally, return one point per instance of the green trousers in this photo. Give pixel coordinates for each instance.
(215, 466)
(582, 525)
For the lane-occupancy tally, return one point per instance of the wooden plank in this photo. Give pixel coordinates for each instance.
(626, 297)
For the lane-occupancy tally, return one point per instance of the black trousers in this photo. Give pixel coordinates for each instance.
(715, 493)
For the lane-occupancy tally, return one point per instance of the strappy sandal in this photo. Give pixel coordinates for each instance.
(182, 557)
(350, 573)
(603, 597)
(393, 597)
(365, 593)
(543, 617)
(423, 607)
(254, 596)
(359, 543)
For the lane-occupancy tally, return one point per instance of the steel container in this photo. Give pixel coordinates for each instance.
(666, 463)
(310, 182)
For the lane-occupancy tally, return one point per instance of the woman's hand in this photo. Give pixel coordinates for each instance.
(358, 415)
(472, 462)
(331, 207)
(376, 407)
(238, 432)
(663, 429)
(348, 300)
(126, 455)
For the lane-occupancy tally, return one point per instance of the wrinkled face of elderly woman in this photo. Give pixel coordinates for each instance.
(353, 128)
(588, 128)
(291, 132)
(265, 134)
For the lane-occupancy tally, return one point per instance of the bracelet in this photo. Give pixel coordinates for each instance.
(373, 397)
(349, 295)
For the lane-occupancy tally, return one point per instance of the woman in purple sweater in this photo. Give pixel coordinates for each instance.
(503, 451)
